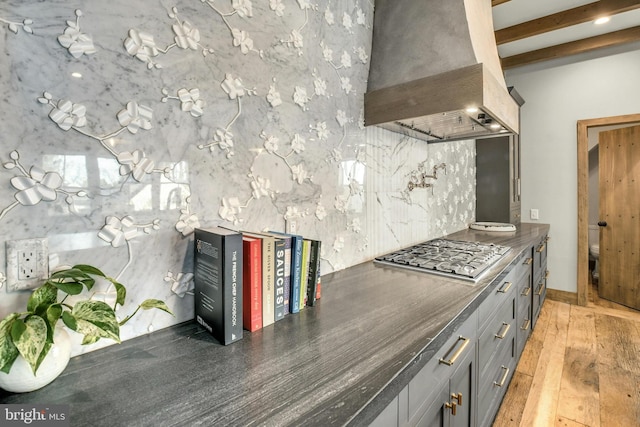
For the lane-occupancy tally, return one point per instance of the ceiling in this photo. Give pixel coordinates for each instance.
(529, 32)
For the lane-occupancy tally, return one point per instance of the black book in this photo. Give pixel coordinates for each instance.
(218, 282)
(314, 272)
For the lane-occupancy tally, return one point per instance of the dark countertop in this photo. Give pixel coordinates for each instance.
(340, 362)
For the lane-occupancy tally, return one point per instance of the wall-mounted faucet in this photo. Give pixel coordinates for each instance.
(418, 180)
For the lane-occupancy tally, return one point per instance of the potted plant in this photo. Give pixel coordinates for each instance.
(27, 338)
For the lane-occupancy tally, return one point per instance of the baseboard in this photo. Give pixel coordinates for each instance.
(563, 296)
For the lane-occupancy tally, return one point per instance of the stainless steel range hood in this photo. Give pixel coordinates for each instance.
(432, 63)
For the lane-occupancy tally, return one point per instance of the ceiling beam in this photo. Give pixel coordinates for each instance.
(615, 38)
(497, 2)
(566, 18)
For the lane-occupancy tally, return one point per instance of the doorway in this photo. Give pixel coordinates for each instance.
(583, 195)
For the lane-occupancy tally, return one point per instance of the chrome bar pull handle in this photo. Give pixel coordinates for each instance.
(504, 377)
(506, 327)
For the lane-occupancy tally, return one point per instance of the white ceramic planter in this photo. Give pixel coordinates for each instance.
(21, 379)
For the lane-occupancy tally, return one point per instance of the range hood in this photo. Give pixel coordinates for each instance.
(435, 73)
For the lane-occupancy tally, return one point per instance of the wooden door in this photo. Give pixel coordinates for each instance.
(619, 187)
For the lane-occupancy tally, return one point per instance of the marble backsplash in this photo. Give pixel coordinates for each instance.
(127, 124)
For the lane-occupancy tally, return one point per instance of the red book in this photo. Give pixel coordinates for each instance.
(251, 283)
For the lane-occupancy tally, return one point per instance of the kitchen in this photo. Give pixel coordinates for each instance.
(277, 136)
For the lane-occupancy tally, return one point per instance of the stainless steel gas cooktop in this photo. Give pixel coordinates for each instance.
(453, 258)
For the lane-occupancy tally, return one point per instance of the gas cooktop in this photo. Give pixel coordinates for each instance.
(453, 258)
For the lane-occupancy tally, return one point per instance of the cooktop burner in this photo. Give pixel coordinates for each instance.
(454, 258)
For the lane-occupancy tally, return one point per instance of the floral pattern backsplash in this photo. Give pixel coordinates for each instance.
(126, 125)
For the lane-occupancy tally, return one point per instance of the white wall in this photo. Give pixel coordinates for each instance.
(556, 98)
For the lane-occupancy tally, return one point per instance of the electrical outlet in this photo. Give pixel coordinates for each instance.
(27, 263)
(535, 214)
(291, 226)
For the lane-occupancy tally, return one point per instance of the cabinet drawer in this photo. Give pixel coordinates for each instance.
(499, 332)
(501, 293)
(540, 256)
(523, 321)
(540, 292)
(492, 388)
(443, 363)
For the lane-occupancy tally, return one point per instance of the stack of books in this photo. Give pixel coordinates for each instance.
(248, 280)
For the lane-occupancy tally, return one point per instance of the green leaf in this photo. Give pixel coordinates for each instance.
(45, 295)
(88, 283)
(121, 292)
(43, 354)
(8, 351)
(33, 340)
(155, 303)
(54, 312)
(71, 288)
(96, 318)
(89, 269)
(69, 273)
(90, 339)
(69, 321)
(17, 329)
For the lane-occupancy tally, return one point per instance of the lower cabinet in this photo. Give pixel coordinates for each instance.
(464, 383)
(453, 403)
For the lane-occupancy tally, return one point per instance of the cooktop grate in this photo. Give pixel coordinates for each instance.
(453, 258)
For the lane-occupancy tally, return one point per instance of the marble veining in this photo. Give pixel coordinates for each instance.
(126, 125)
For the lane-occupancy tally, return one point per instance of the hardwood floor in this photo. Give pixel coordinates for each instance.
(580, 367)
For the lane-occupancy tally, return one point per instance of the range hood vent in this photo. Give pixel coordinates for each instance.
(435, 72)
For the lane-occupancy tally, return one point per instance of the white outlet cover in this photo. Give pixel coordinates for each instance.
(40, 247)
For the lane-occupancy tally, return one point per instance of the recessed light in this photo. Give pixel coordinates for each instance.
(602, 20)
(472, 110)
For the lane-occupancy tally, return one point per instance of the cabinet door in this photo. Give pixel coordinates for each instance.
(454, 404)
(462, 391)
(438, 412)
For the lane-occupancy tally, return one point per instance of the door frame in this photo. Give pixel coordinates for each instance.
(583, 195)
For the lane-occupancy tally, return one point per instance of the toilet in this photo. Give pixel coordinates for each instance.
(594, 251)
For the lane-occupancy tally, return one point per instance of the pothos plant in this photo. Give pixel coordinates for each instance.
(30, 333)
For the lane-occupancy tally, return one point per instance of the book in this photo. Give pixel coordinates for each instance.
(252, 283)
(296, 270)
(280, 278)
(268, 276)
(304, 275)
(319, 285)
(218, 282)
(288, 268)
(314, 272)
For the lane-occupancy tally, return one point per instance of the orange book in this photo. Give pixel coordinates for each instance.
(251, 283)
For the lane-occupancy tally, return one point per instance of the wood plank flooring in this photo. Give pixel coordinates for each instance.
(580, 367)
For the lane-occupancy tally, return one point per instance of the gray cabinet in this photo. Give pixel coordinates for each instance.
(464, 383)
(496, 346)
(540, 276)
(446, 385)
(524, 296)
(498, 179)
(453, 404)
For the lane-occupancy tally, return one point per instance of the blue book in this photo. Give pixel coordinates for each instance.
(296, 270)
